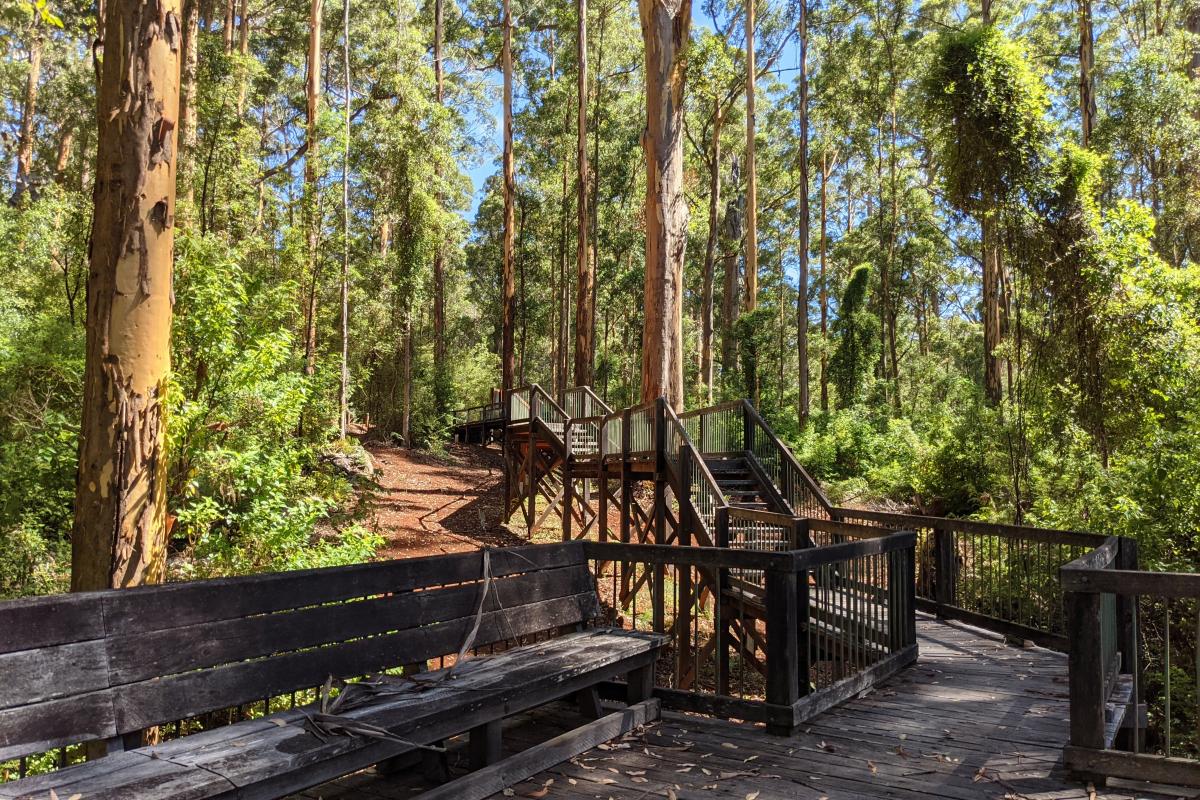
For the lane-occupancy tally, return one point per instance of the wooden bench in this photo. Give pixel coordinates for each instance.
(105, 666)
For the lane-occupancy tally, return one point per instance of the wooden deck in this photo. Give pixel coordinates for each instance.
(973, 719)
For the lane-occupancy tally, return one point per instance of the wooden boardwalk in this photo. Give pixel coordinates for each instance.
(973, 719)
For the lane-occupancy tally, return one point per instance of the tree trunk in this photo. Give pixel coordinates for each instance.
(344, 384)
(119, 537)
(187, 105)
(244, 50)
(802, 400)
(751, 298)
(1087, 62)
(729, 304)
(585, 290)
(826, 167)
(991, 309)
(32, 81)
(563, 297)
(665, 28)
(228, 27)
(66, 140)
(439, 256)
(509, 293)
(1192, 23)
(312, 203)
(710, 256)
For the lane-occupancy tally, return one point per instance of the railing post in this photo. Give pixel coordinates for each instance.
(783, 645)
(1085, 670)
(683, 572)
(660, 512)
(626, 481)
(568, 485)
(747, 427)
(721, 523)
(944, 568)
(1130, 736)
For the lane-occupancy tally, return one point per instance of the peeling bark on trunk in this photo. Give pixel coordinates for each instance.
(119, 536)
(509, 291)
(665, 25)
(29, 110)
(585, 289)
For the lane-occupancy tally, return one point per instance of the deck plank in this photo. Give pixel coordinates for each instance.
(974, 718)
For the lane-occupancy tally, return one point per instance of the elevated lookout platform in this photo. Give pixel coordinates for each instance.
(975, 718)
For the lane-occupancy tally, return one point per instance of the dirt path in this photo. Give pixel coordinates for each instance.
(428, 504)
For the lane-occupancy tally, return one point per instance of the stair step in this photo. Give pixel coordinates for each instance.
(737, 483)
(716, 465)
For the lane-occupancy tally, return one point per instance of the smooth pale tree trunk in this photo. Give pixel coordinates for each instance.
(311, 200)
(509, 291)
(344, 384)
(751, 298)
(439, 256)
(665, 31)
(187, 104)
(119, 537)
(1087, 63)
(802, 378)
(585, 275)
(992, 367)
(29, 109)
(710, 255)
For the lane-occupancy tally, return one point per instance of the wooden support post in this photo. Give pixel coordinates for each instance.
(640, 684)
(531, 511)
(602, 522)
(747, 427)
(783, 652)
(945, 567)
(1127, 642)
(683, 572)
(1085, 666)
(626, 480)
(588, 702)
(721, 522)
(660, 513)
(568, 485)
(509, 470)
(803, 634)
(486, 744)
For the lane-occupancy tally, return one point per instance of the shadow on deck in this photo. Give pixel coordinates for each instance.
(974, 718)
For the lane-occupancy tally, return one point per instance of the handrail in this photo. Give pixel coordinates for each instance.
(711, 409)
(785, 482)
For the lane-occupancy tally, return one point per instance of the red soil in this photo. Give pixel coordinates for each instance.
(427, 504)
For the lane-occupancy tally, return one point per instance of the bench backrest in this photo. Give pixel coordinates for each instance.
(100, 664)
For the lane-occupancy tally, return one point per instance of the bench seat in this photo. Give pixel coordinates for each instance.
(100, 668)
(275, 755)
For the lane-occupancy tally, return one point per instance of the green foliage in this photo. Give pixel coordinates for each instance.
(986, 110)
(856, 332)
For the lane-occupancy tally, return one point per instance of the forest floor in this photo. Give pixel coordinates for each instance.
(429, 503)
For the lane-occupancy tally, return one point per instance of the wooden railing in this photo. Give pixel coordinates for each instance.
(1003, 578)
(736, 428)
(581, 401)
(827, 623)
(1111, 608)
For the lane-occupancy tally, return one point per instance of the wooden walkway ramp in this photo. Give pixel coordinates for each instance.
(974, 718)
